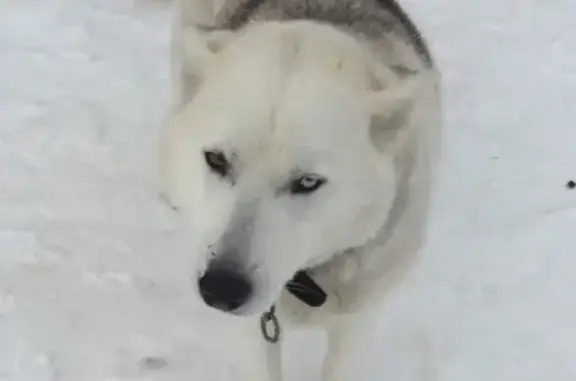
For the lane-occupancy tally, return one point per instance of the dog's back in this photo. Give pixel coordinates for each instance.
(381, 24)
(373, 20)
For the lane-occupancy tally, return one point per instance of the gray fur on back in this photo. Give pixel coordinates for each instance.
(373, 20)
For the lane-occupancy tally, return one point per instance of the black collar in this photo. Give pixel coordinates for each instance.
(305, 289)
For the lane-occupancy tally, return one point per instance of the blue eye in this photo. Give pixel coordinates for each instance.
(306, 184)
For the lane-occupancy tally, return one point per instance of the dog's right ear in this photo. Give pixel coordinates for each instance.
(200, 49)
(391, 101)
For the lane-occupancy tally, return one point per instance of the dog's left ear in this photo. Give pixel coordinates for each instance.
(200, 48)
(391, 100)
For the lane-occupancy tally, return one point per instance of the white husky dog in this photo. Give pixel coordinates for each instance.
(300, 151)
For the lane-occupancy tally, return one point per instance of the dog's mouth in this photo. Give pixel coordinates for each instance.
(305, 289)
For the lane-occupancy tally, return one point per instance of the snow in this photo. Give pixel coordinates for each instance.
(93, 281)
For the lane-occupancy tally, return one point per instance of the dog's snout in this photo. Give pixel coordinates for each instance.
(225, 289)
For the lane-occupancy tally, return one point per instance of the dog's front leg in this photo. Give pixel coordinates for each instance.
(258, 359)
(349, 341)
(274, 361)
(267, 366)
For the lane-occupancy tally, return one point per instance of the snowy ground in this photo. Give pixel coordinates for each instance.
(92, 271)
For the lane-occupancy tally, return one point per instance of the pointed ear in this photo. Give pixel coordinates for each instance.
(195, 54)
(200, 47)
(391, 101)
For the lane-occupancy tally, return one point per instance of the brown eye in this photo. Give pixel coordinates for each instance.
(217, 162)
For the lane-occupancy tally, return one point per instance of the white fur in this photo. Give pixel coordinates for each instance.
(285, 95)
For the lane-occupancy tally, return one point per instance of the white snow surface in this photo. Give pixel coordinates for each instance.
(93, 270)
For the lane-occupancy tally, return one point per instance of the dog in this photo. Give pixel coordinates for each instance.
(300, 152)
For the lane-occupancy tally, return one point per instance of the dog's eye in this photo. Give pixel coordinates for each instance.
(306, 184)
(217, 162)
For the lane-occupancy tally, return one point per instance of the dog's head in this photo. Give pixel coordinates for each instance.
(282, 158)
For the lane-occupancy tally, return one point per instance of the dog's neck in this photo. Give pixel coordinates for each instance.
(304, 288)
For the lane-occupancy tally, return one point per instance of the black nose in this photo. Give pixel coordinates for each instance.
(224, 289)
